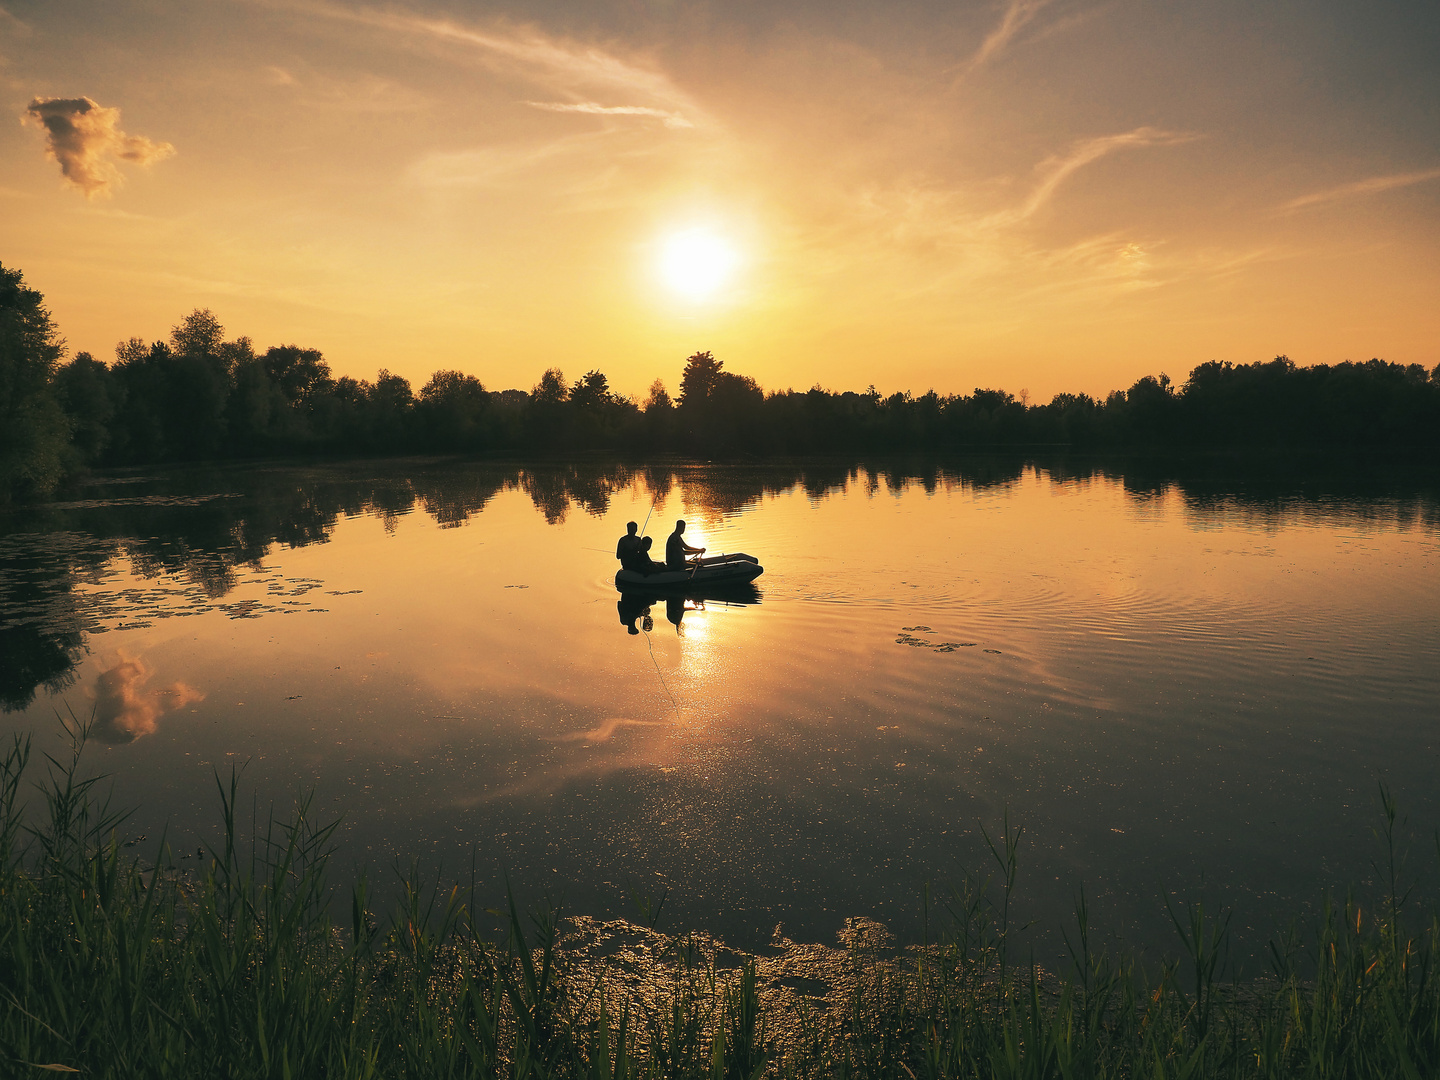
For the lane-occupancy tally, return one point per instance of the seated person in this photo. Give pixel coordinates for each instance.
(676, 549)
(628, 549)
(644, 563)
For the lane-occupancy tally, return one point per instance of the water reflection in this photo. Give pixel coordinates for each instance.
(127, 707)
(636, 606)
(204, 533)
(1160, 666)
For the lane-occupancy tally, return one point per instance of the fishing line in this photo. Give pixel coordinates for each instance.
(654, 502)
(659, 674)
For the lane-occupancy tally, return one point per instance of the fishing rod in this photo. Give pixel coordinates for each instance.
(653, 503)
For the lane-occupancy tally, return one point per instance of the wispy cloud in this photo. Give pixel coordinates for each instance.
(497, 166)
(590, 108)
(935, 239)
(1361, 187)
(1018, 14)
(547, 59)
(83, 136)
(1116, 264)
(13, 25)
(942, 217)
(1056, 170)
(363, 94)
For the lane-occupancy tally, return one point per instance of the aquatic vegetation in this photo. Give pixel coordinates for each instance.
(113, 965)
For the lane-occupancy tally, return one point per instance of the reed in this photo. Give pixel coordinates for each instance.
(117, 965)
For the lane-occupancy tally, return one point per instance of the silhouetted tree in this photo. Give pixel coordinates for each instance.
(259, 417)
(547, 418)
(698, 380)
(90, 396)
(199, 396)
(1149, 412)
(198, 334)
(391, 403)
(35, 450)
(200, 376)
(339, 417)
(140, 372)
(551, 389)
(451, 409)
(301, 374)
(592, 391)
(658, 399)
(732, 413)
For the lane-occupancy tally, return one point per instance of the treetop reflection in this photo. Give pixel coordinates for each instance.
(209, 530)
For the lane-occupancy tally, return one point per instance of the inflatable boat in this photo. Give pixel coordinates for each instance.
(703, 574)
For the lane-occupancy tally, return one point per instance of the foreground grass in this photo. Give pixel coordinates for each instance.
(111, 967)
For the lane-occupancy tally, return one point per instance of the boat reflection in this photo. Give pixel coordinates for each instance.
(635, 606)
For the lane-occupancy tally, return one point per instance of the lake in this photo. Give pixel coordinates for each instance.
(1178, 677)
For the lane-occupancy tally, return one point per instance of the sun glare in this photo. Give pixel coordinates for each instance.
(696, 263)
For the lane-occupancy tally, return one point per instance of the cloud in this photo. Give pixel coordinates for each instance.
(981, 240)
(1018, 14)
(494, 166)
(14, 25)
(1361, 187)
(1057, 169)
(539, 56)
(950, 218)
(362, 94)
(590, 108)
(83, 136)
(125, 710)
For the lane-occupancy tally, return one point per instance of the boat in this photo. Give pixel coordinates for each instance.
(717, 571)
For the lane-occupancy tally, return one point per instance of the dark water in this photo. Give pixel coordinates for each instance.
(1184, 678)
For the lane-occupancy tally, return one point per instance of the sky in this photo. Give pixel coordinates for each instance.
(1031, 195)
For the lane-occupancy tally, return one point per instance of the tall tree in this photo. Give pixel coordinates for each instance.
(701, 376)
(199, 379)
(658, 399)
(591, 391)
(34, 432)
(391, 408)
(141, 373)
(91, 397)
(551, 389)
(302, 374)
(451, 408)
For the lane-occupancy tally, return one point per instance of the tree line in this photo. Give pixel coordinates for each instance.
(198, 396)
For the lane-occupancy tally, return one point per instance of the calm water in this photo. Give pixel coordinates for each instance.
(1176, 680)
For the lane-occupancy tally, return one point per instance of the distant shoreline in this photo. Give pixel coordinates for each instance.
(198, 397)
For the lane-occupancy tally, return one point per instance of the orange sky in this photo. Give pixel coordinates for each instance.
(1040, 194)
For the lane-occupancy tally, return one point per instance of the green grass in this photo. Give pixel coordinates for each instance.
(112, 966)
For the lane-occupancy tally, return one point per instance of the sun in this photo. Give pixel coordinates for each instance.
(696, 263)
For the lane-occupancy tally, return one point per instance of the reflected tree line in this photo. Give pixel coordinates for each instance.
(200, 397)
(192, 526)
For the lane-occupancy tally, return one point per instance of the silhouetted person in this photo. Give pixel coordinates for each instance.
(676, 549)
(628, 548)
(644, 562)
